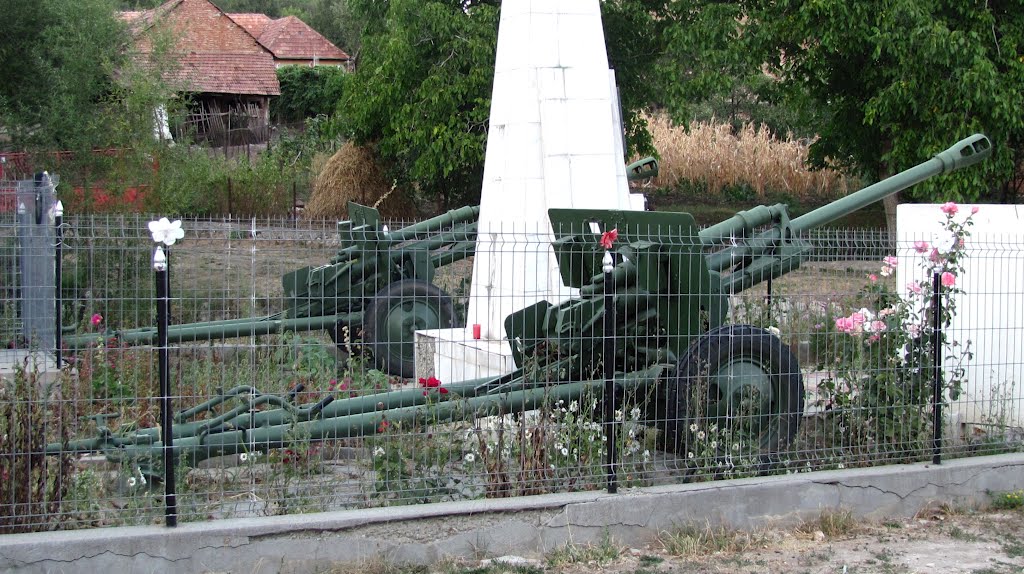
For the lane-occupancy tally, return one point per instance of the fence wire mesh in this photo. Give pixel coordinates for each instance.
(298, 384)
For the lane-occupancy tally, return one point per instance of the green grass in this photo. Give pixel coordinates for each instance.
(1011, 500)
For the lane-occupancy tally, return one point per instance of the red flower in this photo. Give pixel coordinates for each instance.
(609, 237)
(443, 391)
(430, 383)
(383, 426)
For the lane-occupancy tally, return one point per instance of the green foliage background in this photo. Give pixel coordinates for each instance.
(881, 84)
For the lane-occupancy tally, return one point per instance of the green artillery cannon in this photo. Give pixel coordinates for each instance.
(378, 288)
(379, 284)
(671, 283)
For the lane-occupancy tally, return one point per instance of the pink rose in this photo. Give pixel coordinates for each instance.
(914, 287)
(889, 261)
(844, 324)
(96, 319)
(873, 277)
(949, 208)
(947, 279)
(921, 246)
(974, 210)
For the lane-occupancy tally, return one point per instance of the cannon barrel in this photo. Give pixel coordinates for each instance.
(237, 430)
(965, 152)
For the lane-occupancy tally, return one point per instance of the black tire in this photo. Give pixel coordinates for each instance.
(724, 374)
(395, 313)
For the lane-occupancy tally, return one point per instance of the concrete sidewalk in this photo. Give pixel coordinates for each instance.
(527, 526)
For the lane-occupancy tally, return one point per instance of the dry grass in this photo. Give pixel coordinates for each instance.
(692, 540)
(353, 174)
(712, 154)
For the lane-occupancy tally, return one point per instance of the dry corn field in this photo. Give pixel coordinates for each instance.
(711, 153)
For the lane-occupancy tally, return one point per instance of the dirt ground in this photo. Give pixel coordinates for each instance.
(937, 541)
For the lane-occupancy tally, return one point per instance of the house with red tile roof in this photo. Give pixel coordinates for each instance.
(292, 41)
(228, 73)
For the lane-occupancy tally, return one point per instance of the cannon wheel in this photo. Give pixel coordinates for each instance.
(396, 312)
(742, 381)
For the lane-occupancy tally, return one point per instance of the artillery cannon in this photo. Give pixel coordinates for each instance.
(377, 288)
(670, 287)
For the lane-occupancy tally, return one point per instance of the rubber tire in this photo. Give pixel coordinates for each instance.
(402, 362)
(716, 349)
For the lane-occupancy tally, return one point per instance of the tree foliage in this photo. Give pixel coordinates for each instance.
(421, 92)
(57, 58)
(307, 92)
(902, 79)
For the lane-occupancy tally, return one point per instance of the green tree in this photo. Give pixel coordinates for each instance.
(307, 92)
(421, 92)
(901, 79)
(57, 58)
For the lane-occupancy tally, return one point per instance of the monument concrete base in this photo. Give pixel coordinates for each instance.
(454, 355)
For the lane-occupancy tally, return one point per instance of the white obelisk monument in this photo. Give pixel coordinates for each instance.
(554, 141)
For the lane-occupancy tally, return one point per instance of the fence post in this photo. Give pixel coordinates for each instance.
(937, 369)
(58, 223)
(607, 266)
(35, 265)
(166, 413)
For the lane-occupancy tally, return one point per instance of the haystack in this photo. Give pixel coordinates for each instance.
(353, 174)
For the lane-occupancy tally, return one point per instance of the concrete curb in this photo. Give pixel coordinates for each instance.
(528, 526)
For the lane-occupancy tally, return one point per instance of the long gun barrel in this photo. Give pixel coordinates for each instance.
(963, 153)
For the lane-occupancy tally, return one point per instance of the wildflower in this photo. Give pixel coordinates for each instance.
(558, 446)
(565, 451)
(735, 447)
(618, 415)
(383, 426)
(96, 319)
(693, 427)
(608, 238)
(470, 457)
(949, 208)
(714, 444)
(573, 406)
(243, 457)
(701, 435)
(647, 455)
(947, 279)
(689, 454)
(379, 451)
(634, 414)
(131, 482)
